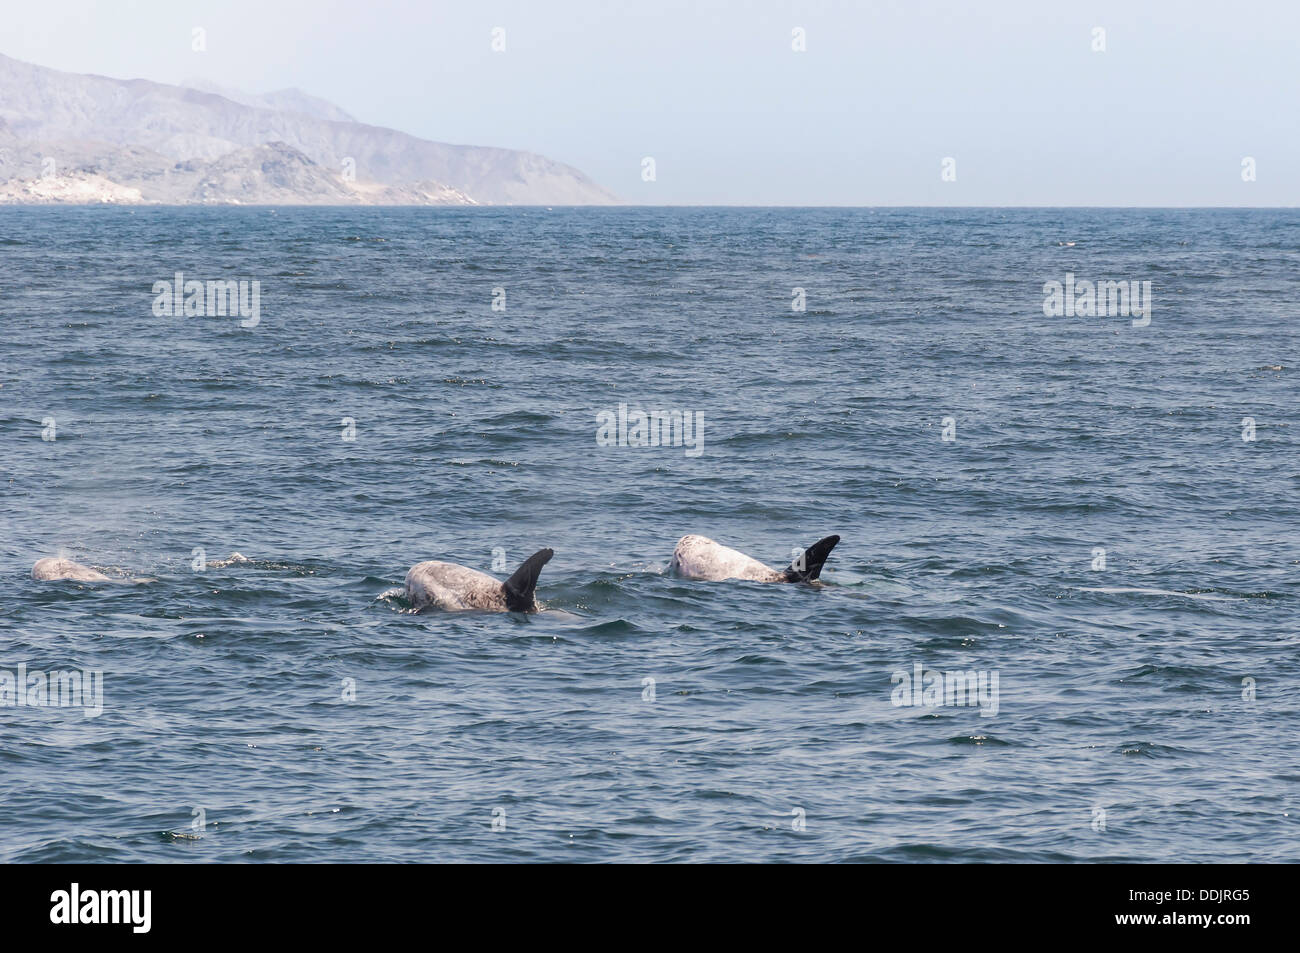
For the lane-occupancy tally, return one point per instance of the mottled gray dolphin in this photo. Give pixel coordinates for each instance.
(56, 568)
(698, 557)
(450, 586)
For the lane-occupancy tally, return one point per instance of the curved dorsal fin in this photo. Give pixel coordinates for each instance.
(809, 564)
(519, 587)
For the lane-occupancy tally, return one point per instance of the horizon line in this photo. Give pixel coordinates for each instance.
(663, 205)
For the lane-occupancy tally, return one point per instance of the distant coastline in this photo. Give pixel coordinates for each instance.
(68, 138)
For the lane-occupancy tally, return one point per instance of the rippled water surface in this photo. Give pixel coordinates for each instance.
(1145, 711)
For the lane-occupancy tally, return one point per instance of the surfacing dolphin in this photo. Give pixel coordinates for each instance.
(698, 557)
(453, 587)
(58, 569)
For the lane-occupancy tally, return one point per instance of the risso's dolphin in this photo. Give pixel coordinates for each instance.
(449, 586)
(698, 557)
(56, 569)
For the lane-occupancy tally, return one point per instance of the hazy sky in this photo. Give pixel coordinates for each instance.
(1011, 89)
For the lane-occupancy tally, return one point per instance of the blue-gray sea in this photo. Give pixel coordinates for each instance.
(1099, 512)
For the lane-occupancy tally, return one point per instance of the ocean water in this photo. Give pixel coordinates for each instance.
(976, 455)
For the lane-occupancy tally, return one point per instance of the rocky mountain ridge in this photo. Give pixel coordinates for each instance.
(182, 145)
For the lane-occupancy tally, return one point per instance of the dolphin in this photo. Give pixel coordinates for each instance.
(450, 586)
(698, 557)
(57, 569)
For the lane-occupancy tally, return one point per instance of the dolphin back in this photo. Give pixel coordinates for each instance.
(57, 569)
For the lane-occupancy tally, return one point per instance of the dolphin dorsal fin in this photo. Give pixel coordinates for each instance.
(809, 565)
(519, 587)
